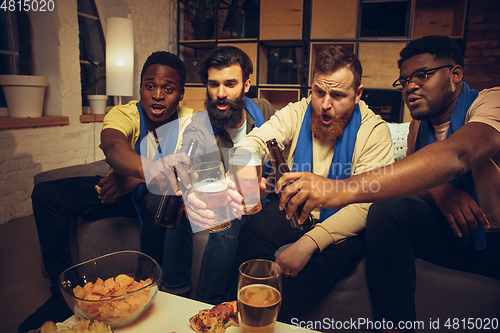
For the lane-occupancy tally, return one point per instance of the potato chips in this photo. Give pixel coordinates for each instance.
(84, 326)
(109, 308)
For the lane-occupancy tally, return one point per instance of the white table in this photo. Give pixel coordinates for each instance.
(170, 313)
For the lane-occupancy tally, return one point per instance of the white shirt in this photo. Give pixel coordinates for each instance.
(237, 134)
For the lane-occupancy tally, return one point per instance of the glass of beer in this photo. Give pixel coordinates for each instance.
(245, 165)
(210, 186)
(259, 295)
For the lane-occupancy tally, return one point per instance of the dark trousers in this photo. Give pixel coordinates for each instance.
(54, 202)
(268, 230)
(401, 229)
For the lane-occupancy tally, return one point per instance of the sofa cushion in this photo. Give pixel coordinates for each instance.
(440, 293)
(96, 238)
(99, 168)
(399, 135)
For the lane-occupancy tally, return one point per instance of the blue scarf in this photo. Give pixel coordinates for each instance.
(465, 182)
(342, 154)
(169, 135)
(254, 111)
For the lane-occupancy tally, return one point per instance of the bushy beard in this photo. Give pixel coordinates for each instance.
(331, 132)
(228, 119)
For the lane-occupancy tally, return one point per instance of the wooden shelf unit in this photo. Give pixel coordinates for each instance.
(281, 20)
(280, 97)
(277, 49)
(291, 33)
(334, 19)
(381, 29)
(194, 97)
(379, 62)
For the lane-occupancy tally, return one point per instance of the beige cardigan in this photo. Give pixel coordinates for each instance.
(373, 149)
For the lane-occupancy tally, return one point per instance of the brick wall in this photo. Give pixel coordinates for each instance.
(30, 151)
(482, 48)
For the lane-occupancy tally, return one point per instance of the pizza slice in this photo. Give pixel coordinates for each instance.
(217, 319)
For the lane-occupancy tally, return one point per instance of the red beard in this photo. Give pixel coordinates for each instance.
(331, 131)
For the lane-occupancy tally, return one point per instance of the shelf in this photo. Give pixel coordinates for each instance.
(280, 65)
(199, 44)
(283, 38)
(239, 19)
(379, 62)
(332, 24)
(194, 97)
(281, 43)
(384, 18)
(14, 123)
(281, 20)
(192, 59)
(237, 40)
(439, 17)
(279, 86)
(385, 102)
(278, 97)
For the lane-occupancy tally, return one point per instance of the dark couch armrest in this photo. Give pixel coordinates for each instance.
(99, 168)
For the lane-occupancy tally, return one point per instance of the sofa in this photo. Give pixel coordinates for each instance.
(442, 295)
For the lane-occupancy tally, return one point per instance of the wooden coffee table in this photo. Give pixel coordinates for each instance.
(170, 313)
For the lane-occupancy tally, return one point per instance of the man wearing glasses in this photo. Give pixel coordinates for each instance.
(451, 168)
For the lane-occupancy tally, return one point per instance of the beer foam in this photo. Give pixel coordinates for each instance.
(210, 185)
(247, 160)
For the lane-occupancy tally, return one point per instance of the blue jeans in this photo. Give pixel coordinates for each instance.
(218, 257)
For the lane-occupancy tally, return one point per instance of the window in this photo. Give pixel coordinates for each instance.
(7, 40)
(92, 51)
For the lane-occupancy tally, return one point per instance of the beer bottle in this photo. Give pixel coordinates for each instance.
(280, 168)
(171, 205)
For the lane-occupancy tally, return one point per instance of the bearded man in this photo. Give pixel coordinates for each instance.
(230, 115)
(331, 134)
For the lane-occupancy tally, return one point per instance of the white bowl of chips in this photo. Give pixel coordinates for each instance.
(114, 289)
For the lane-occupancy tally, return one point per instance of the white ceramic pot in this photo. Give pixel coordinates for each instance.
(98, 103)
(24, 94)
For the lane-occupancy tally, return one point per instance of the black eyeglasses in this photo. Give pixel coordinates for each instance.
(418, 77)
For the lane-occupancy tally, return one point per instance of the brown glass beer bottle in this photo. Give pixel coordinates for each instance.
(171, 206)
(280, 167)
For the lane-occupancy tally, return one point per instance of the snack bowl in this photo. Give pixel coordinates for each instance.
(114, 288)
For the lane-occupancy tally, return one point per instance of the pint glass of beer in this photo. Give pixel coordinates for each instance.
(245, 165)
(259, 295)
(210, 186)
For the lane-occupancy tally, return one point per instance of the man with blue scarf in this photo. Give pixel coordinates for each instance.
(452, 164)
(333, 134)
(230, 115)
(451, 222)
(159, 120)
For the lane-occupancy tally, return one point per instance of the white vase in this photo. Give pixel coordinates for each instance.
(24, 94)
(98, 103)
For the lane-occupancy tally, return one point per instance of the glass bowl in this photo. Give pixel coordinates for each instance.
(115, 288)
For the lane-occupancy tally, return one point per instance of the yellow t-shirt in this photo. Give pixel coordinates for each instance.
(126, 119)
